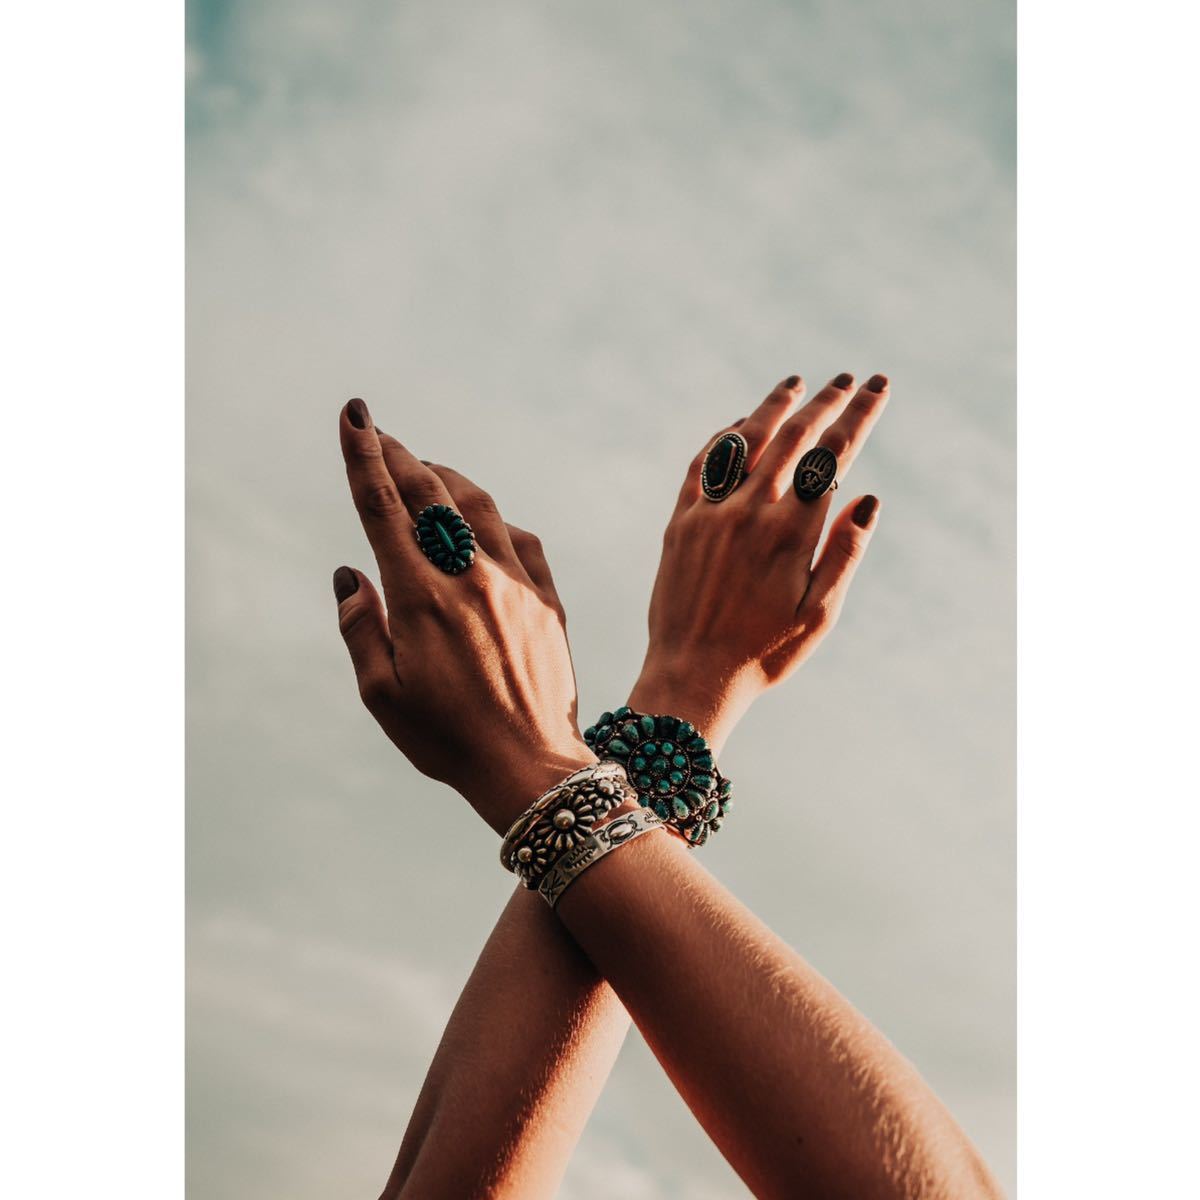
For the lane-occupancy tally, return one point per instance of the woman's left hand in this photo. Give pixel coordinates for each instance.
(469, 675)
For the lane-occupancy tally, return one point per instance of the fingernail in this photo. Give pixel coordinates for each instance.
(876, 383)
(791, 381)
(356, 410)
(844, 380)
(864, 510)
(345, 583)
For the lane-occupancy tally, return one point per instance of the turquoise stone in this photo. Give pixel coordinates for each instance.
(647, 726)
(679, 808)
(663, 786)
(660, 807)
(618, 747)
(639, 762)
(676, 778)
(667, 726)
(712, 810)
(679, 761)
(605, 718)
(644, 781)
(589, 734)
(704, 761)
(668, 747)
(703, 782)
(631, 733)
(685, 731)
(445, 538)
(621, 713)
(659, 765)
(650, 749)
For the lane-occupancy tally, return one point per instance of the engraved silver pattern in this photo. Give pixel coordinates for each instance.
(621, 829)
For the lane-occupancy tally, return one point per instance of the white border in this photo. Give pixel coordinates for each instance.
(1108, 446)
(90, 874)
(91, 378)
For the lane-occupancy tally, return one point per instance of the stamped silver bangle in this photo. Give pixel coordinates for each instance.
(623, 828)
(561, 819)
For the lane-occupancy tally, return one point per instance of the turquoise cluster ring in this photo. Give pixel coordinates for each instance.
(445, 538)
(670, 765)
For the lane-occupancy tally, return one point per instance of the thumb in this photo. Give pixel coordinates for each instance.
(848, 538)
(364, 628)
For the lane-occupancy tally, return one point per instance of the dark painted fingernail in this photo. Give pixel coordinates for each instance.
(791, 381)
(356, 410)
(345, 583)
(876, 383)
(844, 380)
(864, 510)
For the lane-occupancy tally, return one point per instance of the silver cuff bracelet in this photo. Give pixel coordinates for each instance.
(621, 829)
(560, 820)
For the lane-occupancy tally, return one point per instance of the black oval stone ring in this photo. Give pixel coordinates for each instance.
(724, 466)
(816, 474)
(445, 538)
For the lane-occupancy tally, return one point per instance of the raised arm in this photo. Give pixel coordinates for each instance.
(747, 649)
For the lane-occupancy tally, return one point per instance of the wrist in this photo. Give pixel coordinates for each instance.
(713, 703)
(509, 789)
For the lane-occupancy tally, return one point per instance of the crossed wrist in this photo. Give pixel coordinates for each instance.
(506, 790)
(668, 687)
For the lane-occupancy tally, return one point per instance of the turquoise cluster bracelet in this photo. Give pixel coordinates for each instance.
(670, 765)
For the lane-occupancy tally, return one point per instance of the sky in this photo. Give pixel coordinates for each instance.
(557, 246)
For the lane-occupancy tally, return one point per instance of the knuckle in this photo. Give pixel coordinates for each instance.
(381, 500)
(375, 691)
(364, 448)
(479, 501)
(350, 618)
(847, 545)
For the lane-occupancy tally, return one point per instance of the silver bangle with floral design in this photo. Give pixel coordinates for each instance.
(562, 818)
(617, 831)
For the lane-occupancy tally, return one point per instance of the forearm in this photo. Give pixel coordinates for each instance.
(520, 1066)
(802, 1095)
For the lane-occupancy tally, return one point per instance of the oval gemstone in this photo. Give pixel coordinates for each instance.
(724, 465)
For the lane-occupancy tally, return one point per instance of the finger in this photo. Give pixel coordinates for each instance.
(691, 489)
(844, 549)
(380, 508)
(418, 486)
(364, 629)
(528, 547)
(799, 433)
(761, 425)
(480, 512)
(847, 435)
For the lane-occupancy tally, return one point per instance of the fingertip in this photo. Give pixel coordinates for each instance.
(357, 413)
(877, 384)
(345, 583)
(866, 512)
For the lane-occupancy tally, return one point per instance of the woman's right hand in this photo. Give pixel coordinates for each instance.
(739, 601)
(469, 675)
